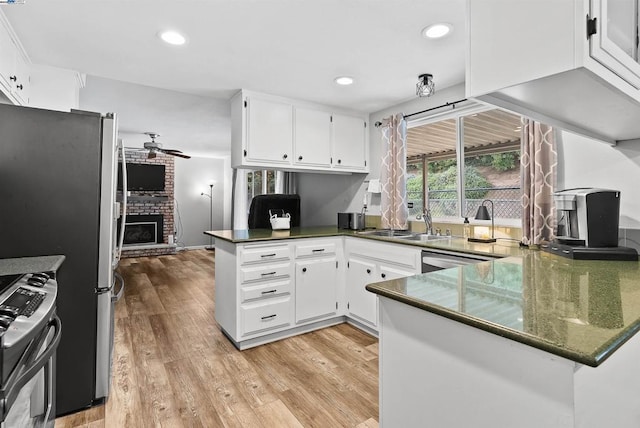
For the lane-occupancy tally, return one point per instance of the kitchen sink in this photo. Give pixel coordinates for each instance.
(404, 235)
(389, 233)
(423, 237)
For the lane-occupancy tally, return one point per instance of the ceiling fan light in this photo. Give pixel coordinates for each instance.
(425, 86)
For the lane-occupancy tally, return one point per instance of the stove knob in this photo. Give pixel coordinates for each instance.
(5, 321)
(41, 275)
(9, 311)
(36, 281)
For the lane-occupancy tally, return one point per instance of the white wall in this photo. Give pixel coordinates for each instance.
(186, 122)
(193, 209)
(584, 162)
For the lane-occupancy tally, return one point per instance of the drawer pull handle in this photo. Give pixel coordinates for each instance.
(384, 275)
(268, 292)
(268, 273)
(268, 317)
(268, 255)
(318, 250)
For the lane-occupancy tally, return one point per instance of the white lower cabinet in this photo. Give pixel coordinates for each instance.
(316, 289)
(361, 304)
(369, 262)
(266, 315)
(269, 290)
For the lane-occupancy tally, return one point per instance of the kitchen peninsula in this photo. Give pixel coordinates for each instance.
(529, 341)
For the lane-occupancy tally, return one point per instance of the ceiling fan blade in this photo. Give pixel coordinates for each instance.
(180, 155)
(171, 150)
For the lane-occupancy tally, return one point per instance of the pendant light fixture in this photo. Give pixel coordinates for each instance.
(425, 86)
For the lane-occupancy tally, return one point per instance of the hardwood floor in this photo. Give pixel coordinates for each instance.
(173, 367)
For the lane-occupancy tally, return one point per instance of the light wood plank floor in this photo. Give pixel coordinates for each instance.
(173, 367)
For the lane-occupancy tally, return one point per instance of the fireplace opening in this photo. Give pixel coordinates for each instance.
(143, 229)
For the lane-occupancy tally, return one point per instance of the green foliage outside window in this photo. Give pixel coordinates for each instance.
(446, 180)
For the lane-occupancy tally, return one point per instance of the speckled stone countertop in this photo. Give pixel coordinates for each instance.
(502, 248)
(30, 264)
(582, 310)
(578, 309)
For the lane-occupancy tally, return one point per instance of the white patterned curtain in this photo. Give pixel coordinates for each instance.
(393, 205)
(538, 162)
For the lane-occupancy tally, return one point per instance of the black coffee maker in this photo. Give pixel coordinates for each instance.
(588, 223)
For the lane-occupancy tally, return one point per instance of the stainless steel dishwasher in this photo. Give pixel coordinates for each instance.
(438, 260)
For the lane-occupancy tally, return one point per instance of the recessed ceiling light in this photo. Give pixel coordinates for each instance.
(344, 80)
(437, 31)
(173, 37)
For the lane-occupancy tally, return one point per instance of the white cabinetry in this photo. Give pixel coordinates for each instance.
(281, 133)
(316, 279)
(254, 291)
(369, 262)
(312, 137)
(349, 143)
(269, 131)
(569, 63)
(14, 67)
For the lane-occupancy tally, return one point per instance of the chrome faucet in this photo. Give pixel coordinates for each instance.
(426, 215)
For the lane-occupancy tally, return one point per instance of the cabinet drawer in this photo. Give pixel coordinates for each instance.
(265, 272)
(262, 290)
(264, 254)
(315, 249)
(266, 316)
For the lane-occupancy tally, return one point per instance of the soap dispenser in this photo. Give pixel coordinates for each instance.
(466, 228)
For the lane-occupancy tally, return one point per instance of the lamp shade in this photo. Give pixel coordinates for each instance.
(483, 213)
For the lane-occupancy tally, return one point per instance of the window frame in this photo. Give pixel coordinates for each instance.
(458, 113)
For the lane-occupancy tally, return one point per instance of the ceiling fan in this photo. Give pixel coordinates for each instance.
(154, 147)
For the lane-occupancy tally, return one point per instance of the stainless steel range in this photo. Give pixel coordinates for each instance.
(29, 335)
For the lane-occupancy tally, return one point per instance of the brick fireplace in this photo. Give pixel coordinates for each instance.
(151, 211)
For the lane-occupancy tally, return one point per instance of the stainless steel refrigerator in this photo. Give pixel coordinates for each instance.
(58, 196)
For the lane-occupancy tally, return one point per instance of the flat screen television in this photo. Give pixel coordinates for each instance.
(143, 177)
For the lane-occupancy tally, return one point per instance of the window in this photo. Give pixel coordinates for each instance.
(460, 160)
(260, 182)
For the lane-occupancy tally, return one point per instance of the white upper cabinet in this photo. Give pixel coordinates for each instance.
(570, 63)
(269, 131)
(7, 60)
(312, 137)
(14, 67)
(280, 133)
(349, 142)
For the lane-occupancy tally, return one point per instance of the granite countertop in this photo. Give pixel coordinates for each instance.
(502, 248)
(21, 265)
(582, 310)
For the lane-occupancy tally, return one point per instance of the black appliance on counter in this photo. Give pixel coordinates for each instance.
(58, 187)
(588, 222)
(261, 204)
(29, 336)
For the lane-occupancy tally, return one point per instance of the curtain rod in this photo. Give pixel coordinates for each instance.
(452, 104)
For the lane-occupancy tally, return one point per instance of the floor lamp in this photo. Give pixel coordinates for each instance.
(210, 196)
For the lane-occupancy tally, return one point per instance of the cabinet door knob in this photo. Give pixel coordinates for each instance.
(304, 269)
(368, 270)
(284, 156)
(299, 157)
(13, 78)
(19, 86)
(339, 161)
(384, 275)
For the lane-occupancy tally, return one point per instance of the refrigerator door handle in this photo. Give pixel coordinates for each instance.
(123, 218)
(118, 295)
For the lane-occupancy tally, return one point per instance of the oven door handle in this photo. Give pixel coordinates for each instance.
(118, 295)
(38, 363)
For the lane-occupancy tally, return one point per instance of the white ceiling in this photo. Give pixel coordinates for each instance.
(293, 48)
